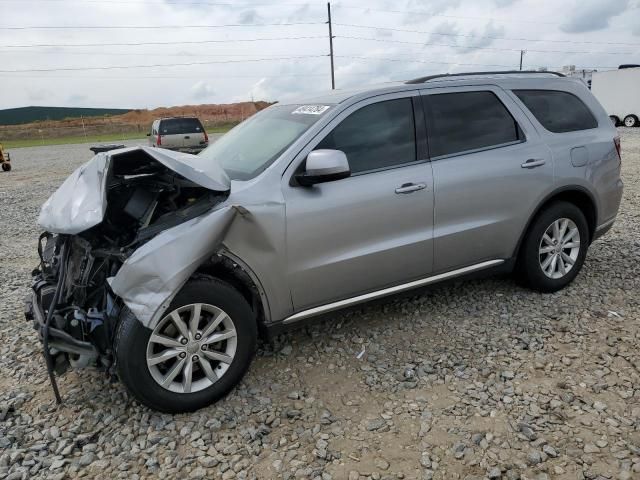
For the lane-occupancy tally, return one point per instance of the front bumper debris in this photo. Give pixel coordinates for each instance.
(59, 340)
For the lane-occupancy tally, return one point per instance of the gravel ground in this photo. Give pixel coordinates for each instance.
(470, 380)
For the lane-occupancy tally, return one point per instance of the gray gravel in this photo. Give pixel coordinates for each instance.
(470, 380)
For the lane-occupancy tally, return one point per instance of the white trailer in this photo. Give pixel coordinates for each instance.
(619, 93)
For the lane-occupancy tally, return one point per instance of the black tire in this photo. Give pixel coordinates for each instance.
(529, 268)
(615, 120)
(132, 339)
(6, 167)
(630, 121)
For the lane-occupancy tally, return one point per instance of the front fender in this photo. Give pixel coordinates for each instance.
(151, 277)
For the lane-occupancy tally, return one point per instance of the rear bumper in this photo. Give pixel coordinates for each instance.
(193, 150)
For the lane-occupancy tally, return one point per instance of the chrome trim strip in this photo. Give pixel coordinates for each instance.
(605, 224)
(312, 312)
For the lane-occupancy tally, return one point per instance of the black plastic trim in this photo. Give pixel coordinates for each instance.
(420, 126)
(558, 191)
(273, 329)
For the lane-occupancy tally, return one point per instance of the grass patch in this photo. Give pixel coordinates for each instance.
(38, 142)
(223, 128)
(100, 138)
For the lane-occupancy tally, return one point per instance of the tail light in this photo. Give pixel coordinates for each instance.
(616, 142)
(206, 137)
(159, 140)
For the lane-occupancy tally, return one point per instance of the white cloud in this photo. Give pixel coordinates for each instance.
(38, 94)
(445, 32)
(591, 15)
(395, 54)
(76, 100)
(202, 91)
(483, 38)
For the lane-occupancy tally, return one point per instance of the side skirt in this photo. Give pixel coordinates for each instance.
(322, 309)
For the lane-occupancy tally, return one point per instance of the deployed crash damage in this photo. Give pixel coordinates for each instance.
(127, 228)
(163, 267)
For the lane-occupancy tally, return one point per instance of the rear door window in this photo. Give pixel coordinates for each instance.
(558, 112)
(175, 126)
(380, 135)
(467, 121)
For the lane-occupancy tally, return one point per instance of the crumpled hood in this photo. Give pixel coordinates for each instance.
(81, 201)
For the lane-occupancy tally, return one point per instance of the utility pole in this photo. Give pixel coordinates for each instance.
(522, 52)
(333, 79)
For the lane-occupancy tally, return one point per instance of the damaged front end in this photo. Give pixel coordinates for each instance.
(108, 224)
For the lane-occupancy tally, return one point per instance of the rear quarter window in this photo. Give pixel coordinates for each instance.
(558, 112)
(462, 122)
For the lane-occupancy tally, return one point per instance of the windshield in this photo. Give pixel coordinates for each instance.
(248, 149)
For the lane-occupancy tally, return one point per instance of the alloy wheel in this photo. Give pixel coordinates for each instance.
(191, 348)
(559, 248)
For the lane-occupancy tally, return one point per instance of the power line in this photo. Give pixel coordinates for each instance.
(139, 27)
(189, 64)
(148, 54)
(386, 59)
(445, 63)
(407, 12)
(472, 47)
(386, 40)
(161, 77)
(483, 36)
(195, 42)
(170, 2)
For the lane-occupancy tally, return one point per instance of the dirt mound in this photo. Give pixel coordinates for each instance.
(230, 112)
(138, 121)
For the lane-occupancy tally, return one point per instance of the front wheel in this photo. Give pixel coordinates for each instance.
(196, 353)
(630, 121)
(555, 248)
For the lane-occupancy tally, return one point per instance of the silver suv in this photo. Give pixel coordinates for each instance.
(163, 267)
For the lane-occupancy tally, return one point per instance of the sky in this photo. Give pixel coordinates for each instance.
(152, 53)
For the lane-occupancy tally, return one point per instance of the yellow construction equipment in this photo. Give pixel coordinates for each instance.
(5, 160)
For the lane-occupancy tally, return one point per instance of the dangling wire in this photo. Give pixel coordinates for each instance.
(45, 329)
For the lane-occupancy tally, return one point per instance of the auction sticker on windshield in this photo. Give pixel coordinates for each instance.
(311, 109)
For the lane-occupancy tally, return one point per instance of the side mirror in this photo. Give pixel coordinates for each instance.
(324, 166)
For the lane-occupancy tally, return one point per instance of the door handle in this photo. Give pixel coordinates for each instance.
(533, 163)
(187, 137)
(410, 187)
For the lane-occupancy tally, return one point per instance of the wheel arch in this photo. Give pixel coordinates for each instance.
(225, 266)
(575, 194)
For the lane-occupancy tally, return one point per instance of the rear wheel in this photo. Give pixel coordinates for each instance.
(196, 353)
(554, 248)
(6, 167)
(615, 120)
(630, 121)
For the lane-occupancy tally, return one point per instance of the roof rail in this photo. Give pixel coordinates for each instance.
(464, 74)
